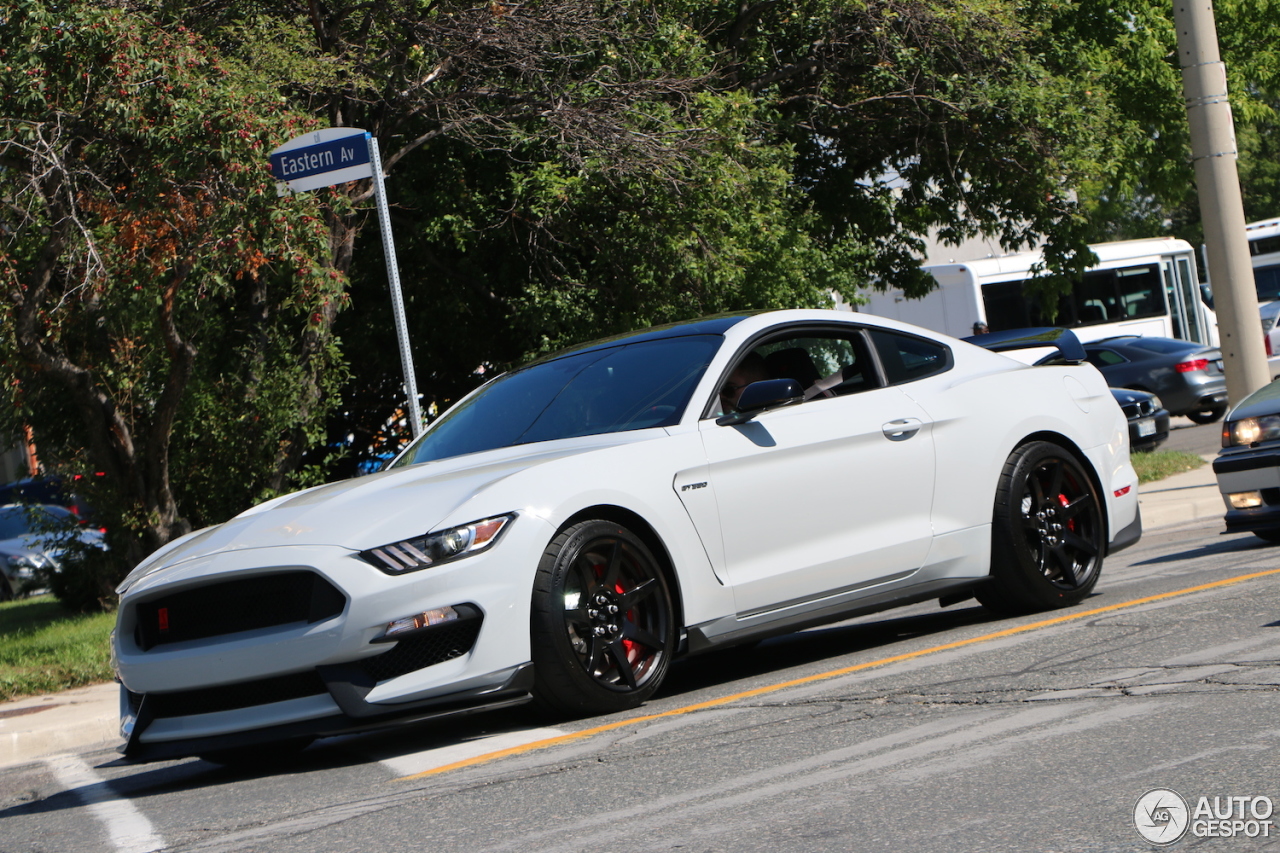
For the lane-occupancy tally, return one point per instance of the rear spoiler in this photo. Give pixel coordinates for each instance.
(1063, 340)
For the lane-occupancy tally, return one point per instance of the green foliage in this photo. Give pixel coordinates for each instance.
(165, 313)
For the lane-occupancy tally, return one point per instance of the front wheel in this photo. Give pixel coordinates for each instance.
(602, 625)
(1207, 416)
(1047, 532)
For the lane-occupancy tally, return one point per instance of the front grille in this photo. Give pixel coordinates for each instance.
(1138, 409)
(230, 697)
(217, 609)
(446, 642)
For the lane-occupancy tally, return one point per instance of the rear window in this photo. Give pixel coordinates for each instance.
(1162, 345)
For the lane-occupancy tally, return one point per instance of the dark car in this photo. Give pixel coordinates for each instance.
(1248, 465)
(1186, 376)
(50, 490)
(32, 539)
(1148, 419)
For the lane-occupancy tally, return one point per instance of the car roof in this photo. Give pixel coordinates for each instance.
(714, 325)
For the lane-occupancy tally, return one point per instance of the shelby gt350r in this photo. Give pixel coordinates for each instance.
(569, 528)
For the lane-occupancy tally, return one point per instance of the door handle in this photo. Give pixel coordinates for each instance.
(901, 429)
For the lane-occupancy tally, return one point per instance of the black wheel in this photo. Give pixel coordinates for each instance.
(1207, 416)
(1047, 532)
(1272, 536)
(6, 591)
(602, 627)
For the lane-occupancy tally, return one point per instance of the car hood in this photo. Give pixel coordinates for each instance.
(1126, 396)
(1264, 401)
(25, 546)
(366, 512)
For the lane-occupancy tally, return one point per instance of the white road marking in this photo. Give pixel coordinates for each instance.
(128, 828)
(430, 759)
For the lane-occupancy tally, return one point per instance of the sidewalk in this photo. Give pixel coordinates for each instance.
(87, 718)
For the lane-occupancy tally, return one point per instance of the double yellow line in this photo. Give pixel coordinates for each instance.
(822, 676)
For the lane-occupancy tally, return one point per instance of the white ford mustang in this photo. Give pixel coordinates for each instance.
(569, 528)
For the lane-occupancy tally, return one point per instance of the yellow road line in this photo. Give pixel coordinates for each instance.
(822, 676)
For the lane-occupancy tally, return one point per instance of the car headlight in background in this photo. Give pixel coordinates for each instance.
(1247, 431)
(442, 546)
(24, 565)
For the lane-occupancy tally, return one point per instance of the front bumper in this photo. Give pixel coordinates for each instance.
(1247, 471)
(344, 713)
(1148, 433)
(251, 646)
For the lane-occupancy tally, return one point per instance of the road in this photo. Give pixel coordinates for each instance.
(921, 729)
(1193, 438)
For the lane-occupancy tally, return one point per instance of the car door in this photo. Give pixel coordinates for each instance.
(824, 496)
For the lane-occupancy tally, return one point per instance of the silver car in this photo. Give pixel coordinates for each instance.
(1186, 376)
(31, 541)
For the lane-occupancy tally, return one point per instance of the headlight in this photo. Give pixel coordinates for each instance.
(1155, 402)
(1247, 431)
(442, 546)
(23, 565)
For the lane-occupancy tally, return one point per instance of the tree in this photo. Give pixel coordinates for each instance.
(154, 287)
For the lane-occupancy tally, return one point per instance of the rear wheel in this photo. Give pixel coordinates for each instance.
(602, 625)
(1047, 532)
(1207, 416)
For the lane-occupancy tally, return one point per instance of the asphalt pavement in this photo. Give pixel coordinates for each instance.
(87, 718)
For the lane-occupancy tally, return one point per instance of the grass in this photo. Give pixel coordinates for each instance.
(44, 649)
(1163, 463)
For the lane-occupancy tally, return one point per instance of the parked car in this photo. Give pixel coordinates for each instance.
(570, 527)
(1186, 376)
(1269, 313)
(1148, 418)
(32, 537)
(47, 489)
(1248, 465)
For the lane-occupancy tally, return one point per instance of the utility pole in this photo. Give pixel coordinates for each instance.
(1213, 150)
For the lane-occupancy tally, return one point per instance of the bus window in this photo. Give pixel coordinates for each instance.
(1141, 291)
(1267, 280)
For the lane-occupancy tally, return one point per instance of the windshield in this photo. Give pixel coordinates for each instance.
(16, 521)
(635, 386)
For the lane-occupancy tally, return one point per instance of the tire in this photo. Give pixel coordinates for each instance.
(1272, 536)
(6, 591)
(602, 626)
(1207, 416)
(1048, 533)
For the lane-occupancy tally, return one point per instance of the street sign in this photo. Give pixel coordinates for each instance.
(335, 155)
(322, 158)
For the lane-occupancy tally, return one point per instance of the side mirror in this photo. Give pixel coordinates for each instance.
(759, 397)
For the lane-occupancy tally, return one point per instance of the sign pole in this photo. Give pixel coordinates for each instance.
(393, 276)
(334, 155)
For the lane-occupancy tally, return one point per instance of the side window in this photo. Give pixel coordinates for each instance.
(1104, 357)
(906, 358)
(823, 365)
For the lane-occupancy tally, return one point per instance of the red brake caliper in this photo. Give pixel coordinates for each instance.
(1062, 501)
(628, 644)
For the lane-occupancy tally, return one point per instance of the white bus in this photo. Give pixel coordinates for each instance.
(1140, 287)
